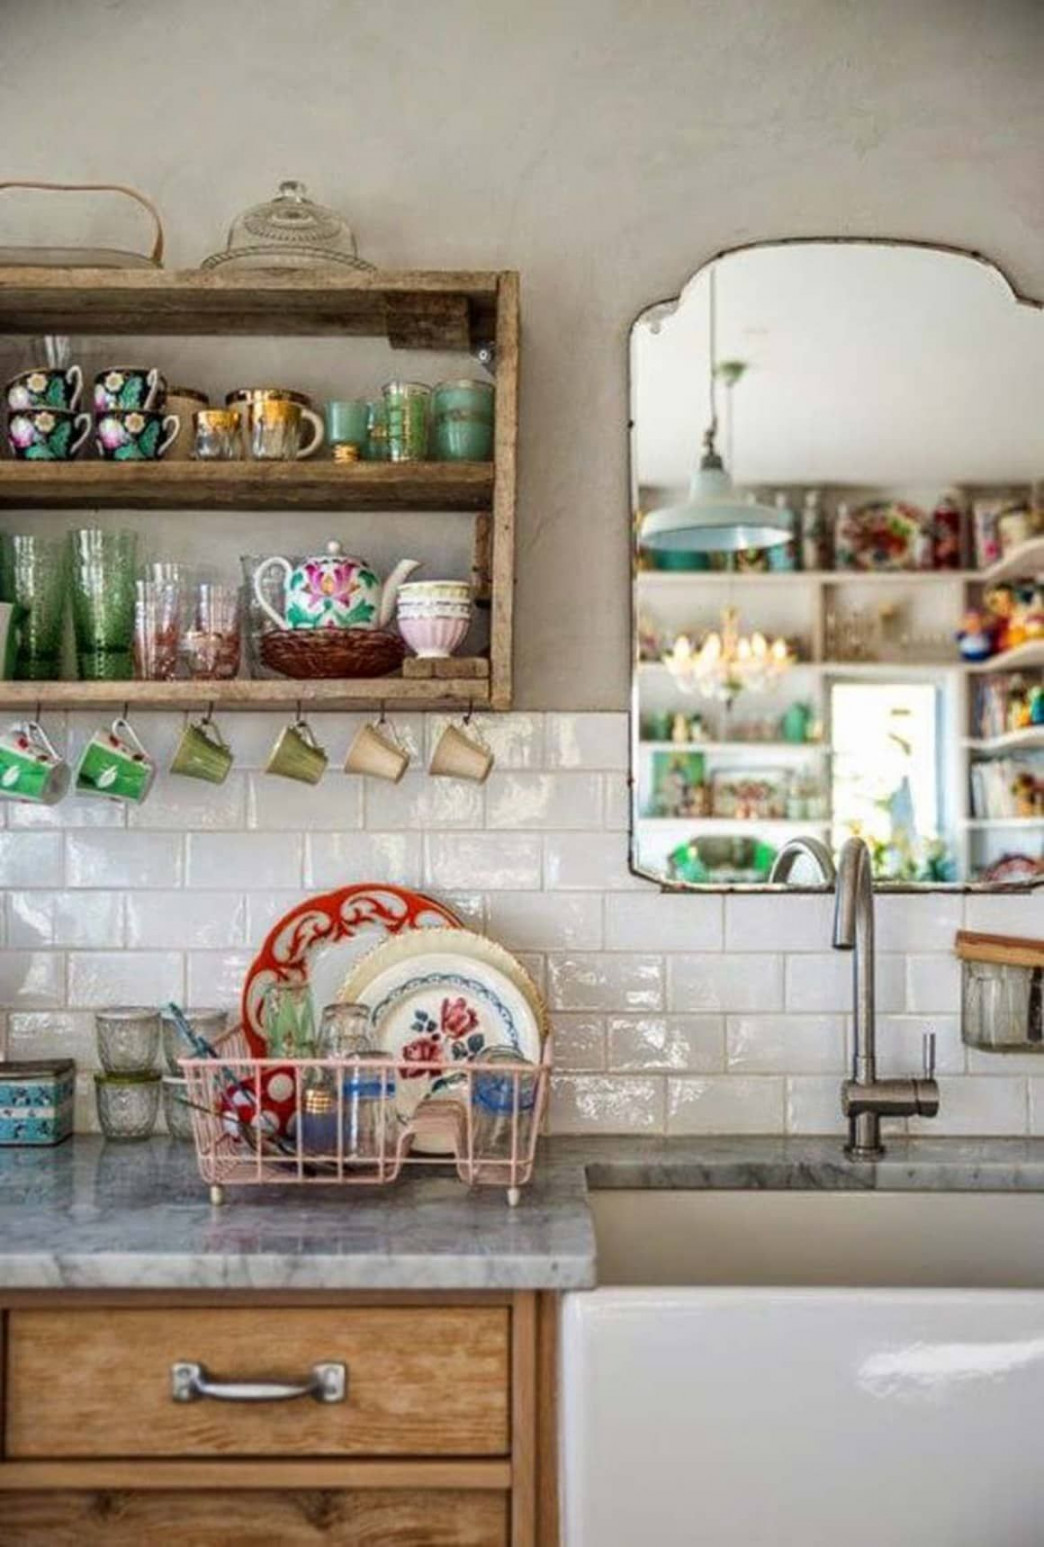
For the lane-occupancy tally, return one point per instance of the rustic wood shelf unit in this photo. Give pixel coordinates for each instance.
(450, 312)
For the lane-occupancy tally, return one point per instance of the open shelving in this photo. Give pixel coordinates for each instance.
(465, 312)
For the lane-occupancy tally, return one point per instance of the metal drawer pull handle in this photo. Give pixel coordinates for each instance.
(190, 1383)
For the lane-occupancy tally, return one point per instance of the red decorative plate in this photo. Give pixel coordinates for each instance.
(323, 921)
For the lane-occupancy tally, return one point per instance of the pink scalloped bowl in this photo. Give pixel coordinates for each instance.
(433, 637)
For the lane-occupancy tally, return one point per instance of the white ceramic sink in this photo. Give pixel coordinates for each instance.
(777, 1368)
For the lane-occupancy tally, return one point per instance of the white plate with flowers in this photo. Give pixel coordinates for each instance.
(428, 1004)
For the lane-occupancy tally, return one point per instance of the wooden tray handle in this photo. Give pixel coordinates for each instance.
(156, 255)
(1003, 950)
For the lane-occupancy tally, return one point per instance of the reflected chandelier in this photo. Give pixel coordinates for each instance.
(727, 663)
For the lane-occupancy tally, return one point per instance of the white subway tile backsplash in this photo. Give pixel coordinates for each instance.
(589, 862)
(779, 923)
(186, 920)
(579, 1043)
(662, 921)
(499, 862)
(419, 801)
(693, 1013)
(339, 859)
(586, 741)
(606, 1104)
(729, 1103)
(62, 918)
(123, 859)
(31, 859)
(786, 1044)
(605, 982)
(693, 1044)
(99, 978)
(538, 802)
(335, 804)
(539, 921)
(182, 805)
(249, 861)
(824, 982)
(725, 982)
(32, 980)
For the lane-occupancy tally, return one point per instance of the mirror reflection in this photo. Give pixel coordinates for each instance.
(838, 543)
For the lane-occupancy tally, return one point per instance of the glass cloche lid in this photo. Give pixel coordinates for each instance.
(289, 231)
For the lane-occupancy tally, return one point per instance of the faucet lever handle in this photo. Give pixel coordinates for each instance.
(928, 1044)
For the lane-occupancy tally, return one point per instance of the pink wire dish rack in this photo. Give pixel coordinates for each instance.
(254, 1122)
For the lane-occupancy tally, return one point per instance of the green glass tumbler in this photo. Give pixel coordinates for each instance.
(407, 405)
(35, 572)
(103, 568)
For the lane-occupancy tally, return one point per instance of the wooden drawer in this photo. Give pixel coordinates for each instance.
(421, 1382)
(206, 1519)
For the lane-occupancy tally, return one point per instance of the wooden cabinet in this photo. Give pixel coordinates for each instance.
(440, 1437)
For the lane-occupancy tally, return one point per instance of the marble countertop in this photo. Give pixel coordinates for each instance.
(90, 1215)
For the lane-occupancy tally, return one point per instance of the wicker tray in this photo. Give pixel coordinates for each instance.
(332, 652)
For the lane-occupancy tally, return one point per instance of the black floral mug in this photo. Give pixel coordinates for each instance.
(46, 434)
(128, 386)
(135, 435)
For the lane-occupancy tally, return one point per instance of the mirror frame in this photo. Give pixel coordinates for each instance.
(670, 304)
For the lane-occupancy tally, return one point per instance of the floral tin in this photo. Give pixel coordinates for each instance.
(36, 1101)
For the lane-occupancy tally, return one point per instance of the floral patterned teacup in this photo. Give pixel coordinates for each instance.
(128, 386)
(135, 435)
(46, 434)
(44, 387)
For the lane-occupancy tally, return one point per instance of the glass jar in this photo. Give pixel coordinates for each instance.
(128, 1039)
(128, 1104)
(319, 1121)
(407, 406)
(1002, 1006)
(369, 1122)
(289, 1021)
(176, 1109)
(344, 1029)
(500, 1099)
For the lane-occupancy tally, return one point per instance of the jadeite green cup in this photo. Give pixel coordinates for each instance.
(203, 754)
(347, 421)
(297, 755)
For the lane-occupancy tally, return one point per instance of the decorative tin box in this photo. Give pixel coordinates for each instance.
(36, 1101)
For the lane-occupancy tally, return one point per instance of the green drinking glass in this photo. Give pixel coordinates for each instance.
(35, 570)
(104, 566)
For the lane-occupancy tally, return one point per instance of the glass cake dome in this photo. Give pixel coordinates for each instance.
(289, 231)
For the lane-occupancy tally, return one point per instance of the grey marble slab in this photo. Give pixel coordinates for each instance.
(91, 1215)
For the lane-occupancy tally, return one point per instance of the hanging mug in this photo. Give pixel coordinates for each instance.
(297, 754)
(30, 767)
(377, 751)
(116, 765)
(461, 753)
(203, 753)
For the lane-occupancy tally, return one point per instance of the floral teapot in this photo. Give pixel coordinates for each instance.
(332, 590)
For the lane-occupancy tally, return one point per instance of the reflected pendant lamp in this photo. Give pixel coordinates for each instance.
(715, 518)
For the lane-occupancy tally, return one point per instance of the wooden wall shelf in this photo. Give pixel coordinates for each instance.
(306, 485)
(249, 693)
(413, 310)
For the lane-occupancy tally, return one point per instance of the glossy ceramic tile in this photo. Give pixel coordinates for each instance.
(1021, 914)
(98, 978)
(725, 982)
(516, 740)
(589, 862)
(123, 859)
(693, 1044)
(540, 921)
(496, 861)
(338, 859)
(933, 983)
(579, 1044)
(186, 920)
(53, 1034)
(419, 801)
(662, 921)
(900, 1045)
(590, 981)
(823, 982)
(607, 1104)
(586, 741)
(786, 1044)
(778, 923)
(177, 804)
(730, 1103)
(63, 918)
(544, 802)
(813, 1104)
(32, 980)
(335, 804)
(617, 803)
(250, 861)
(216, 977)
(917, 923)
(31, 859)
(973, 1103)
(73, 811)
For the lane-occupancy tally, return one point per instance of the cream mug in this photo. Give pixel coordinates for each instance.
(377, 751)
(460, 753)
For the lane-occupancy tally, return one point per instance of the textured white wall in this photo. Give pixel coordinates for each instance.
(604, 148)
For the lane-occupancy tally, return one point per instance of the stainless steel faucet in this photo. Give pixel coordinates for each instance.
(808, 848)
(864, 1098)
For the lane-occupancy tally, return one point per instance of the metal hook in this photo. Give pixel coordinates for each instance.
(36, 712)
(470, 711)
(382, 718)
(208, 714)
(125, 710)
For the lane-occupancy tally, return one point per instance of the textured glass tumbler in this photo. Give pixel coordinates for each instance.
(407, 410)
(128, 1039)
(37, 572)
(157, 629)
(103, 570)
(210, 642)
(128, 1104)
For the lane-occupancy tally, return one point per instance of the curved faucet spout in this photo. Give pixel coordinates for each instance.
(803, 848)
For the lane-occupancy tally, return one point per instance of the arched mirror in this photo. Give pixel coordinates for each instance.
(838, 546)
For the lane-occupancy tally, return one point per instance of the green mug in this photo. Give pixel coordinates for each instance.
(30, 768)
(203, 753)
(297, 754)
(347, 422)
(116, 765)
